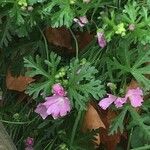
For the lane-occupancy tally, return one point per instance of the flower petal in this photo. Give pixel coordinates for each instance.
(106, 102)
(135, 96)
(41, 110)
(119, 102)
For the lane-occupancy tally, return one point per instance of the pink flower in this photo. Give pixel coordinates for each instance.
(81, 21)
(135, 96)
(58, 90)
(106, 102)
(55, 105)
(119, 102)
(101, 39)
(29, 141)
(86, 1)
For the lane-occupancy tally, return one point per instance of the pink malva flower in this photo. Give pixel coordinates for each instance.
(58, 90)
(106, 102)
(82, 21)
(29, 141)
(86, 1)
(135, 96)
(101, 39)
(55, 105)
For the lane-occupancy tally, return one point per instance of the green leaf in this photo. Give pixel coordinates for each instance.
(143, 122)
(64, 14)
(134, 62)
(36, 89)
(37, 67)
(5, 34)
(82, 84)
(46, 71)
(118, 122)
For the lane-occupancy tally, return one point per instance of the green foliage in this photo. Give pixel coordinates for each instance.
(126, 56)
(132, 62)
(37, 67)
(118, 122)
(82, 84)
(5, 35)
(141, 121)
(64, 15)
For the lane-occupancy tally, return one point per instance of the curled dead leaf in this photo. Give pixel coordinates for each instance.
(92, 121)
(17, 83)
(97, 118)
(59, 37)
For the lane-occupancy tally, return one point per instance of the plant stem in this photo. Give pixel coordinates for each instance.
(45, 43)
(76, 43)
(142, 148)
(129, 141)
(75, 127)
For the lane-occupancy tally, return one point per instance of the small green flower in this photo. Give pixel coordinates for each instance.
(57, 76)
(83, 61)
(16, 116)
(72, 1)
(22, 3)
(65, 82)
(121, 29)
(63, 147)
(112, 86)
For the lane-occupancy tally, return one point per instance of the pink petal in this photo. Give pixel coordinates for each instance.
(82, 21)
(136, 100)
(101, 39)
(106, 102)
(135, 96)
(41, 110)
(119, 102)
(58, 90)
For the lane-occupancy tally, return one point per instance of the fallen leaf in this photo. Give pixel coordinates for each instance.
(84, 38)
(110, 141)
(59, 37)
(97, 118)
(17, 83)
(133, 84)
(92, 121)
(62, 37)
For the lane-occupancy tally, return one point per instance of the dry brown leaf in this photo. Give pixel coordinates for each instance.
(59, 37)
(17, 83)
(110, 141)
(92, 121)
(97, 118)
(62, 37)
(133, 84)
(84, 38)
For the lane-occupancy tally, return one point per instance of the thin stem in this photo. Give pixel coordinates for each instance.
(75, 127)
(76, 43)
(13, 122)
(129, 141)
(45, 43)
(147, 147)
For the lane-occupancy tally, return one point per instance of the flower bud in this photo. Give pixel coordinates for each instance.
(30, 8)
(131, 27)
